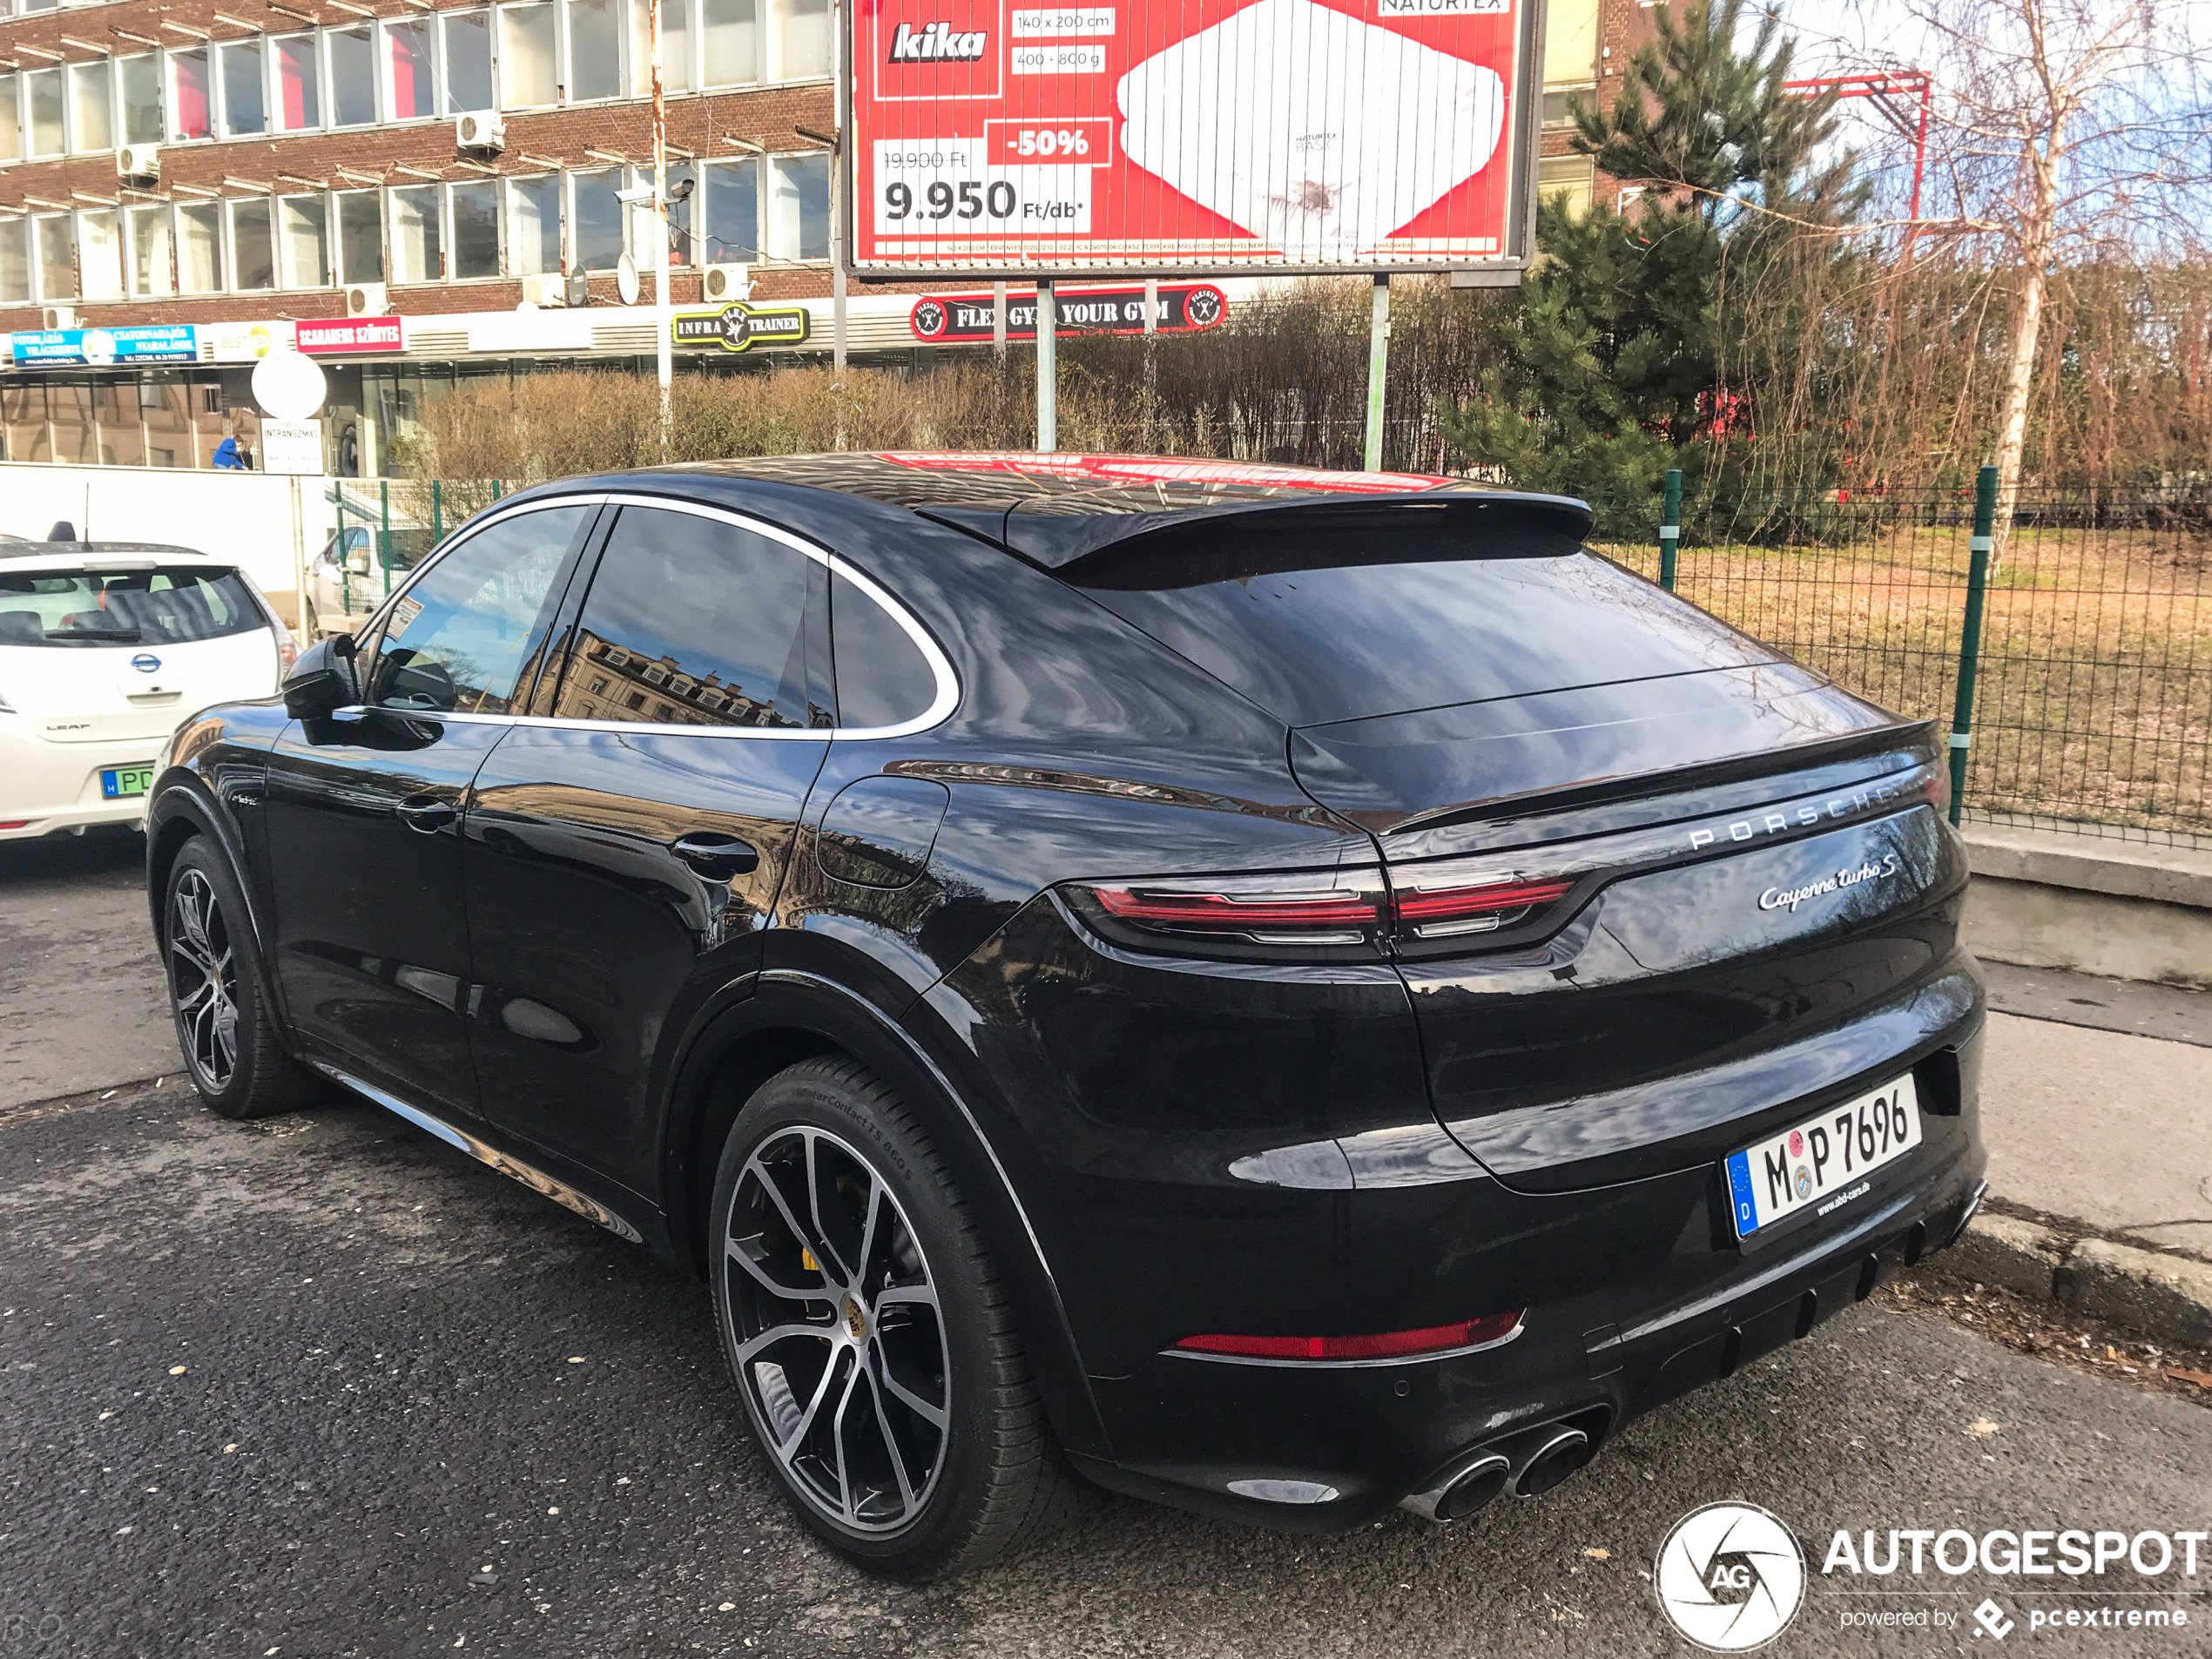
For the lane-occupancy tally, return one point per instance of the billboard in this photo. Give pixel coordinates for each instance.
(1183, 309)
(995, 136)
(101, 347)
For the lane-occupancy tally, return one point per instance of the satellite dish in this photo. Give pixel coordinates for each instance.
(289, 386)
(626, 280)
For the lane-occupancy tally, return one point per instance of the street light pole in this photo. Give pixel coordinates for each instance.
(663, 312)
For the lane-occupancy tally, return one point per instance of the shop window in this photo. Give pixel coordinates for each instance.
(304, 223)
(199, 248)
(361, 236)
(91, 106)
(243, 114)
(150, 255)
(417, 249)
(409, 93)
(528, 76)
(299, 102)
(22, 416)
(534, 225)
(475, 229)
(802, 39)
(798, 226)
(731, 39)
(253, 248)
(139, 80)
(353, 74)
(467, 37)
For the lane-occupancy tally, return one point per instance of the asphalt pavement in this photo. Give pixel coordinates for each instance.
(322, 1386)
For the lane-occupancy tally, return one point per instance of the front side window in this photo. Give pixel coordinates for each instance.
(798, 207)
(693, 621)
(149, 252)
(191, 102)
(730, 212)
(243, 114)
(298, 100)
(802, 39)
(361, 236)
(468, 45)
(252, 249)
(534, 225)
(42, 96)
(99, 254)
(307, 245)
(417, 249)
(91, 106)
(411, 92)
(595, 49)
(353, 74)
(596, 218)
(56, 238)
(528, 75)
(199, 248)
(475, 229)
(461, 639)
(139, 80)
(731, 42)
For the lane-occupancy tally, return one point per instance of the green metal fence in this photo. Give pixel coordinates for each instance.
(2067, 650)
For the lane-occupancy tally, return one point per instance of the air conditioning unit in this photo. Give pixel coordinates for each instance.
(481, 130)
(726, 282)
(58, 317)
(139, 163)
(549, 289)
(367, 300)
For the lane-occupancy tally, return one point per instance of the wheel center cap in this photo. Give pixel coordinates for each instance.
(855, 1321)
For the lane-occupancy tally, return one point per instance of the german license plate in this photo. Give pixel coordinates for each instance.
(1822, 1164)
(117, 782)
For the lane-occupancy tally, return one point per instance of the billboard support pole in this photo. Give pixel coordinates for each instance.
(998, 321)
(663, 314)
(1378, 363)
(1151, 358)
(1048, 369)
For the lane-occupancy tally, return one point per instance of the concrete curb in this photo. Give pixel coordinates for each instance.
(2166, 1298)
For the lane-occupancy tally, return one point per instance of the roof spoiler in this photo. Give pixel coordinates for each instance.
(1175, 549)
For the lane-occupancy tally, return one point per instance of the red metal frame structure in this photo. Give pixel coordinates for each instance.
(1889, 93)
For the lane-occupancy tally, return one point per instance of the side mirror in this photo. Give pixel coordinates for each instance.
(323, 680)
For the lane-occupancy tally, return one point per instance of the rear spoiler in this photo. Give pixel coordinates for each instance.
(1072, 538)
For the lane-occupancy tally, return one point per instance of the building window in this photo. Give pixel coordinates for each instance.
(1570, 43)
(798, 216)
(299, 102)
(475, 229)
(675, 48)
(99, 254)
(526, 73)
(1571, 174)
(732, 39)
(253, 248)
(199, 248)
(729, 213)
(15, 260)
(42, 97)
(151, 277)
(596, 218)
(467, 37)
(190, 103)
(417, 253)
(595, 49)
(361, 236)
(352, 65)
(306, 245)
(534, 225)
(56, 241)
(139, 80)
(680, 217)
(243, 113)
(91, 106)
(802, 39)
(411, 94)
(10, 121)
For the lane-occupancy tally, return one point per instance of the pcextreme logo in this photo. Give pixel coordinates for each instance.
(1730, 1577)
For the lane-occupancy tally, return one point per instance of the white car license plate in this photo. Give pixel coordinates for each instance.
(1820, 1165)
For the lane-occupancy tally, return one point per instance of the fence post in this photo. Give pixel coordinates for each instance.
(1669, 528)
(437, 511)
(494, 489)
(384, 537)
(1962, 715)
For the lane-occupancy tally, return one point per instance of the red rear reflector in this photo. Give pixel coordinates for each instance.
(15, 823)
(1391, 1345)
(1222, 910)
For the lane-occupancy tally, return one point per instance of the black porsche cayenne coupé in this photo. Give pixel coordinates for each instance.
(1283, 993)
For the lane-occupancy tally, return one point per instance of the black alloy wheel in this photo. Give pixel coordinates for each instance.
(232, 1051)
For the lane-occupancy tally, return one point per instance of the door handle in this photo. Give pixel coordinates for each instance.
(428, 813)
(717, 856)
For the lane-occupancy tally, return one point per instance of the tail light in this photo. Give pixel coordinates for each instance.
(1445, 907)
(1484, 1332)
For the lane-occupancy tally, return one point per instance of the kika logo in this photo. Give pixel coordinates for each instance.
(936, 44)
(1730, 1577)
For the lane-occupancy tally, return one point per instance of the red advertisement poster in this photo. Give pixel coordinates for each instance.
(997, 136)
(337, 336)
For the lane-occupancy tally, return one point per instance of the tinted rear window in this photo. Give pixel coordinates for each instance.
(1321, 644)
(882, 677)
(88, 608)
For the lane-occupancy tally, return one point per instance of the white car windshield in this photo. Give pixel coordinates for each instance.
(162, 606)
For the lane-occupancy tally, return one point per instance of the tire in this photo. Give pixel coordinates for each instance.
(894, 1405)
(232, 1051)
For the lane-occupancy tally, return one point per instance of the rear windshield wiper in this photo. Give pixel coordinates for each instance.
(95, 633)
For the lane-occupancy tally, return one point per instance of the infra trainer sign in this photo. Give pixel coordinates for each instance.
(994, 137)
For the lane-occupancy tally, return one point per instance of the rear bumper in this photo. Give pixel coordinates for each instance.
(1334, 1445)
(50, 786)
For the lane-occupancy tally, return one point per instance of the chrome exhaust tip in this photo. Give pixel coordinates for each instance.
(1464, 1490)
(1552, 1454)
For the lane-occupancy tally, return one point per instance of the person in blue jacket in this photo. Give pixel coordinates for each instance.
(228, 457)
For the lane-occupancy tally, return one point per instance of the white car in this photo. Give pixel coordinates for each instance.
(105, 649)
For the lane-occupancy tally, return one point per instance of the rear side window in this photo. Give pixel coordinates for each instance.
(691, 621)
(94, 608)
(882, 677)
(459, 640)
